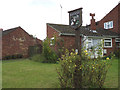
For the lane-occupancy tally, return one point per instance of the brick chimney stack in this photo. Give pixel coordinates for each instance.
(93, 24)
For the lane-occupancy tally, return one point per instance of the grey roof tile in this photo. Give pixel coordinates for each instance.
(9, 31)
(66, 29)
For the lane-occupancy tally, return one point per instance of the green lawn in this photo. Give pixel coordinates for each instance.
(30, 74)
(112, 76)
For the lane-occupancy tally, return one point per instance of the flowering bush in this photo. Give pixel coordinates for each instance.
(93, 70)
(49, 54)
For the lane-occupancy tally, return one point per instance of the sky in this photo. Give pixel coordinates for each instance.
(32, 15)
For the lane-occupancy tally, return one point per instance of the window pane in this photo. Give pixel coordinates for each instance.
(107, 40)
(89, 45)
(111, 24)
(108, 25)
(89, 39)
(104, 25)
(118, 44)
(117, 39)
(107, 43)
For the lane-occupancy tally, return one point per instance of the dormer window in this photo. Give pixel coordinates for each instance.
(108, 25)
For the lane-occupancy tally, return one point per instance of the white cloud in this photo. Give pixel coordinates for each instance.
(32, 15)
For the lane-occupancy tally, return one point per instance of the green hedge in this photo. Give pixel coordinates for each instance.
(16, 56)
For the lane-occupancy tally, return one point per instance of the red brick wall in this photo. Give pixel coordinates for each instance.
(112, 16)
(112, 49)
(69, 41)
(119, 18)
(51, 32)
(17, 42)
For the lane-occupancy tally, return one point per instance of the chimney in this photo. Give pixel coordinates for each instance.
(93, 24)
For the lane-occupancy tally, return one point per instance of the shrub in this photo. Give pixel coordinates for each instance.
(93, 70)
(15, 56)
(117, 53)
(49, 54)
(38, 58)
(7, 57)
(19, 56)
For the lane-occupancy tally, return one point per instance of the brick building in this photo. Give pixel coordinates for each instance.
(107, 30)
(17, 41)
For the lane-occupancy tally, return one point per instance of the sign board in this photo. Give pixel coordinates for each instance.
(75, 18)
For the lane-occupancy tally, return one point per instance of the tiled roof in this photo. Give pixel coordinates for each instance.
(9, 31)
(62, 28)
(67, 30)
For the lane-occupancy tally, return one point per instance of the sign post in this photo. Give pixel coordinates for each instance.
(75, 21)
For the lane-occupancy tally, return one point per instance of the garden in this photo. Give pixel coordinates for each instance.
(24, 73)
(49, 70)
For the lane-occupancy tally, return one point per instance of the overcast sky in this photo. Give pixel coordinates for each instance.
(32, 15)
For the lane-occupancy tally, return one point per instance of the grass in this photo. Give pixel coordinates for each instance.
(29, 74)
(112, 76)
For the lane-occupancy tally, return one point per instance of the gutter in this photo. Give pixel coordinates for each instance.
(68, 34)
(103, 36)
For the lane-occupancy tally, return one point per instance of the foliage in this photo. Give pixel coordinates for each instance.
(38, 58)
(49, 54)
(60, 46)
(93, 69)
(15, 56)
(33, 50)
(43, 75)
(117, 53)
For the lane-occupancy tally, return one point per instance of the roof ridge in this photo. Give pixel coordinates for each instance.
(58, 24)
(12, 28)
(5, 32)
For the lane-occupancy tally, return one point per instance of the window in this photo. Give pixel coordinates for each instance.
(89, 43)
(117, 40)
(52, 41)
(108, 25)
(105, 51)
(93, 42)
(107, 42)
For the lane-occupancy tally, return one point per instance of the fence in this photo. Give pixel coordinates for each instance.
(32, 50)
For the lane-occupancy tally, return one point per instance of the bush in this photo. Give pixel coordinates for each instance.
(15, 56)
(38, 58)
(19, 56)
(93, 70)
(49, 54)
(117, 53)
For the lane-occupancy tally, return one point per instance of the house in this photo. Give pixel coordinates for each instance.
(17, 41)
(107, 30)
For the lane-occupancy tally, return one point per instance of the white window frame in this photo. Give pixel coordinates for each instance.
(90, 41)
(104, 51)
(108, 25)
(51, 41)
(117, 41)
(108, 41)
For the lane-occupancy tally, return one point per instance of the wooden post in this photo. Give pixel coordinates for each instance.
(78, 71)
(75, 20)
